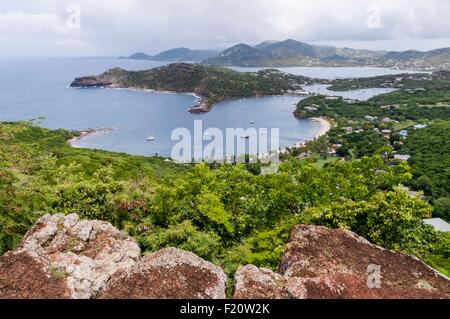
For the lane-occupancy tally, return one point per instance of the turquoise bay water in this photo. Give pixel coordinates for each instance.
(31, 88)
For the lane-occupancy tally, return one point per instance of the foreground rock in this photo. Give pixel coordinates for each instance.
(63, 257)
(321, 263)
(168, 274)
(251, 282)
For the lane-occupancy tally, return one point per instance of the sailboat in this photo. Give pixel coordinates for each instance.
(150, 137)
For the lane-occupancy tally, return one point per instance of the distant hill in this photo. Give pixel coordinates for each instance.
(434, 59)
(185, 54)
(140, 56)
(289, 53)
(265, 44)
(292, 53)
(177, 55)
(240, 55)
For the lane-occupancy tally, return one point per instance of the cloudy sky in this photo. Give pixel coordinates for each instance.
(117, 27)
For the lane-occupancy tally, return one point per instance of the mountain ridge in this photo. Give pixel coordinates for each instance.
(292, 53)
(176, 55)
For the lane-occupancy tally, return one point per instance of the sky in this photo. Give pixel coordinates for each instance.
(117, 27)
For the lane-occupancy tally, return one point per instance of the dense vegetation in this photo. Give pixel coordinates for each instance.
(40, 173)
(392, 113)
(213, 83)
(431, 164)
(438, 81)
(225, 214)
(398, 106)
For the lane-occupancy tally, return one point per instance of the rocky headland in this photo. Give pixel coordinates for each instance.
(212, 84)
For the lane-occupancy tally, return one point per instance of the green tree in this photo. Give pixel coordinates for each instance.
(442, 208)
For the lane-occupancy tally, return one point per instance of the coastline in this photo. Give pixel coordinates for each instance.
(325, 127)
(88, 132)
(201, 106)
(325, 124)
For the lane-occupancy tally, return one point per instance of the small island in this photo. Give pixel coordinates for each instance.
(211, 84)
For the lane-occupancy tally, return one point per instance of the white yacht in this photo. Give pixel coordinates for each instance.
(150, 137)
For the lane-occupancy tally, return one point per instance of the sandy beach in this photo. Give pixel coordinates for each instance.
(88, 132)
(325, 127)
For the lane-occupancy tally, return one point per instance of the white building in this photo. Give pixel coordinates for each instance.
(420, 126)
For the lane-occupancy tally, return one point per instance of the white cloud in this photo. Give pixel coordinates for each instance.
(32, 25)
(120, 27)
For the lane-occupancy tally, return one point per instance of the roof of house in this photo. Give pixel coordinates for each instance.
(402, 157)
(438, 224)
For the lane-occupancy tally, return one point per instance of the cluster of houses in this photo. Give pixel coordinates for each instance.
(387, 134)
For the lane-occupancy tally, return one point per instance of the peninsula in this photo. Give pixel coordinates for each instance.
(212, 84)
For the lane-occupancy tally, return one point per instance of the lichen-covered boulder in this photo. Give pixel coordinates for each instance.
(323, 263)
(168, 274)
(65, 257)
(251, 282)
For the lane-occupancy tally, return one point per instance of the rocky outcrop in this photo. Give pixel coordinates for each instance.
(92, 82)
(322, 263)
(114, 78)
(65, 257)
(168, 274)
(201, 107)
(251, 282)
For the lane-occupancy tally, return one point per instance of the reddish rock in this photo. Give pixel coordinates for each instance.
(322, 263)
(168, 274)
(23, 276)
(251, 282)
(201, 107)
(63, 257)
